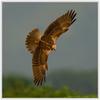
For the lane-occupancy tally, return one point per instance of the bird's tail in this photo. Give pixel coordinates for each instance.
(32, 40)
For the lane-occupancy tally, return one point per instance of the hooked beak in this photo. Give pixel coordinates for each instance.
(54, 47)
(53, 50)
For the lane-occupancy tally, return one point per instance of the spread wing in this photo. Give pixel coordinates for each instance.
(39, 65)
(32, 40)
(60, 25)
(41, 46)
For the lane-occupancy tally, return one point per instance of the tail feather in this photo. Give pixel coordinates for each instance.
(32, 40)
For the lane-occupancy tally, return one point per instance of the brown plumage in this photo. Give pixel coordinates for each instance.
(40, 46)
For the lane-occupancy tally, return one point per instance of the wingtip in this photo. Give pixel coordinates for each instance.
(73, 21)
(72, 13)
(38, 82)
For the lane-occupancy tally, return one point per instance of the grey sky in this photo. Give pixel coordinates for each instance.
(76, 49)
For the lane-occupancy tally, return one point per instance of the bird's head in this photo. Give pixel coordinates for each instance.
(54, 47)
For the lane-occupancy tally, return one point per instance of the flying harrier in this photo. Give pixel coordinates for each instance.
(40, 46)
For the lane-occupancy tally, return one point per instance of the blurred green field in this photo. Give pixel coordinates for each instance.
(20, 87)
(14, 86)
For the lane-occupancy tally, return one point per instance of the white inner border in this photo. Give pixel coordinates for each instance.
(1, 1)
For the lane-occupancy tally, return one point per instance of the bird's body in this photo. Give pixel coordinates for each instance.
(41, 46)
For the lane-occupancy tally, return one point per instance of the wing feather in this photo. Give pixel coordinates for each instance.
(61, 24)
(39, 65)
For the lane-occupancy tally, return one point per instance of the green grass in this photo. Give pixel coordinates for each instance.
(19, 87)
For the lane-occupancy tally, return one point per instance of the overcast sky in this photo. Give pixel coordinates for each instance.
(76, 49)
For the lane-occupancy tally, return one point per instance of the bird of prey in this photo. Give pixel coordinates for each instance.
(41, 45)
